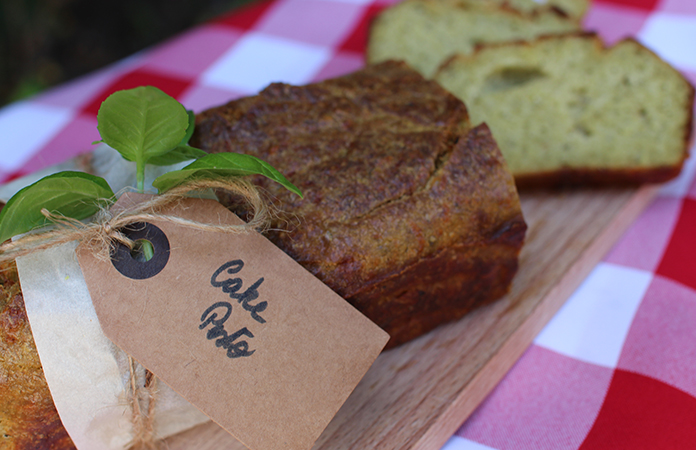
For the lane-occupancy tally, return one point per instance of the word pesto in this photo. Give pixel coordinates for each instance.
(224, 340)
(232, 287)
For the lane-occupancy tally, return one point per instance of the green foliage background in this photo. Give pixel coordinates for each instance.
(47, 42)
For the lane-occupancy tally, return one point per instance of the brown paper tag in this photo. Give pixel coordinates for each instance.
(235, 326)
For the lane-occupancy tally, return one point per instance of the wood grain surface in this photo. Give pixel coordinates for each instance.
(417, 395)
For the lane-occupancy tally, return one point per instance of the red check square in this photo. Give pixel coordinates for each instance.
(648, 5)
(357, 40)
(642, 413)
(139, 77)
(679, 259)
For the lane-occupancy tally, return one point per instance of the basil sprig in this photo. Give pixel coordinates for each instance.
(141, 124)
(146, 126)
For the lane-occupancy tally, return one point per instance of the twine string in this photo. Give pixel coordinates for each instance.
(142, 395)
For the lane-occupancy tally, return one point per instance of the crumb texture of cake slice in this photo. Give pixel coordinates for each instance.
(408, 213)
(425, 33)
(565, 109)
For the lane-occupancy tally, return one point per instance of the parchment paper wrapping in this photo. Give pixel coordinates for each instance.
(85, 372)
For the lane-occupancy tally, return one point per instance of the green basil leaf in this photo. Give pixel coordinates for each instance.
(180, 154)
(142, 123)
(190, 128)
(222, 165)
(72, 194)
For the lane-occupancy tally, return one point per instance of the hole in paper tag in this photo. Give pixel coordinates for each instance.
(126, 262)
(238, 328)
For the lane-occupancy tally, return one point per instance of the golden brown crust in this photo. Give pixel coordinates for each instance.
(472, 188)
(28, 418)
(397, 192)
(596, 177)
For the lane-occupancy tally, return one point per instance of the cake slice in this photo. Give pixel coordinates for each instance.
(425, 33)
(567, 110)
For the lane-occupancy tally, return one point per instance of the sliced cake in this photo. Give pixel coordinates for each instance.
(425, 33)
(565, 109)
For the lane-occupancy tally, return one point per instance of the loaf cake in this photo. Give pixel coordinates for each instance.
(425, 33)
(408, 213)
(567, 110)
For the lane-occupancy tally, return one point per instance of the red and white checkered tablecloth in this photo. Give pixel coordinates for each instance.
(616, 367)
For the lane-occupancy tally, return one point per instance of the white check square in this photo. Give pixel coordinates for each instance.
(593, 324)
(673, 37)
(258, 60)
(460, 443)
(26, 127)
(679, 187)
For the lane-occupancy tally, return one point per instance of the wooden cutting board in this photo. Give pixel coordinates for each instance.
(417, 395)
